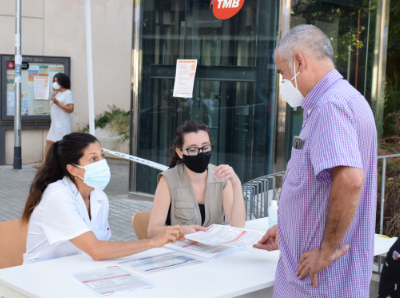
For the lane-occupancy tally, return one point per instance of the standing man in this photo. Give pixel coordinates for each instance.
(327, 207)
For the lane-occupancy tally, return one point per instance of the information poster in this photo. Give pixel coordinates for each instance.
(24, 104)
(184, 78)
(33, 72)
(10, 103)
(41, 107)
(35, 94)
(41, 88)
(44, 71)
(10, 82)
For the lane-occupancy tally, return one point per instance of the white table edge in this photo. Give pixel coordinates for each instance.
(249, 290)
(14, 292)
(14, 289)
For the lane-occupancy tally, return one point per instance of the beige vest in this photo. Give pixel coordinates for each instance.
(184, 206)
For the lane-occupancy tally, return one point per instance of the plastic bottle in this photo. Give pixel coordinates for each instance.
(273, 213)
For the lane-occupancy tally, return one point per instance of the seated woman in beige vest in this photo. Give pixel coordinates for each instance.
(194, 193)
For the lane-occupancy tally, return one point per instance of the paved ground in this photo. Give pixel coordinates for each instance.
(14, 189)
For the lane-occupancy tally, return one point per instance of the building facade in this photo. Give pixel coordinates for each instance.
(56, 28)
(136, 44)
(236, 91)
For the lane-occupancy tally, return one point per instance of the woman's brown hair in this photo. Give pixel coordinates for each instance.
(187, 127)
(62, 153)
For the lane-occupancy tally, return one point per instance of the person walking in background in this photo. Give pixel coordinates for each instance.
(327, 207)
(62, 107)
(389, 285)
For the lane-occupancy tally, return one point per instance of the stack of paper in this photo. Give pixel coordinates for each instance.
(112, 280)
(204, 250)
(160, 262)
(226, 235)
(217, 241)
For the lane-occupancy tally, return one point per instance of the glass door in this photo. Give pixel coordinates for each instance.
(235, 87)
(350, 25)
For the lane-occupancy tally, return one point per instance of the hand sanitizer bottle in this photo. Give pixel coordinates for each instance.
(273, 213)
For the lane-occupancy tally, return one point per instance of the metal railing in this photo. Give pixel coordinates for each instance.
(258, 193)
(384, 164)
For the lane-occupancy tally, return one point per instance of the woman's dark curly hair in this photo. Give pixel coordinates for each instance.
(187, 127)
(63, 80)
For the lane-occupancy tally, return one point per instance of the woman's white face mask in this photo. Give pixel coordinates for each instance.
(56, 86)
(290, 93)
(97, 175)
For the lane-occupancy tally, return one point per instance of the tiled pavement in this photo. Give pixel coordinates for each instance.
(14, 188)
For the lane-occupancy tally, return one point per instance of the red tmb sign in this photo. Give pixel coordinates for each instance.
(10, 65)
(225, 9)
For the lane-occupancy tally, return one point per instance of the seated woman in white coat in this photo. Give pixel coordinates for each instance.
(67, 209)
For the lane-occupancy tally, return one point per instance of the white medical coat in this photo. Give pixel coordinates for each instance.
(61, 216)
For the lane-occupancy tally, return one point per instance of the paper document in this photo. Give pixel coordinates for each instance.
(33, 72)
(161, 262)
(204, 250)
(41, 88)
(226, 235)
(10, 103)
(112, 280)
(184, 78)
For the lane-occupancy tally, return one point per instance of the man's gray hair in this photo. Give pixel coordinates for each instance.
(307, 39)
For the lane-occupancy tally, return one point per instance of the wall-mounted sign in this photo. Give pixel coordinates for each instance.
(225, 9)
(10, 65)
(24, 65)
(184, 78)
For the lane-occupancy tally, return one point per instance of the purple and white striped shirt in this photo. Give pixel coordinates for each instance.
(339, 130)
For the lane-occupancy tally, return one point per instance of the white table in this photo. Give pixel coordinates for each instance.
(237, 275)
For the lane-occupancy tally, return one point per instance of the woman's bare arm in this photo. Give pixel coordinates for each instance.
(69, 108)
(233, 202)
(100, 250)
(159, 212)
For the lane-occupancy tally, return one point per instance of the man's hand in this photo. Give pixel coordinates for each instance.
(316, 260)
(270, 240)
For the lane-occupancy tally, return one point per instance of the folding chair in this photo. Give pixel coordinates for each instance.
(13, 235)
(140, 222)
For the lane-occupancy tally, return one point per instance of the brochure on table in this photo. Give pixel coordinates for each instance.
(160, 262)
(204, 250)
(227, 236)
(110, 281)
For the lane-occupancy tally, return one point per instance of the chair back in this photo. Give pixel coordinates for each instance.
(13, 235)
(140, 222)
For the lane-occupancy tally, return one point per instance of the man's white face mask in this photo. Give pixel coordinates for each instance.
(291, 94)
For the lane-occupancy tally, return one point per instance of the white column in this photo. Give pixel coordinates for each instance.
(88, 19)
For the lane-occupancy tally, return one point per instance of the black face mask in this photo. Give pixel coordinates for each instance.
(198, 163)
